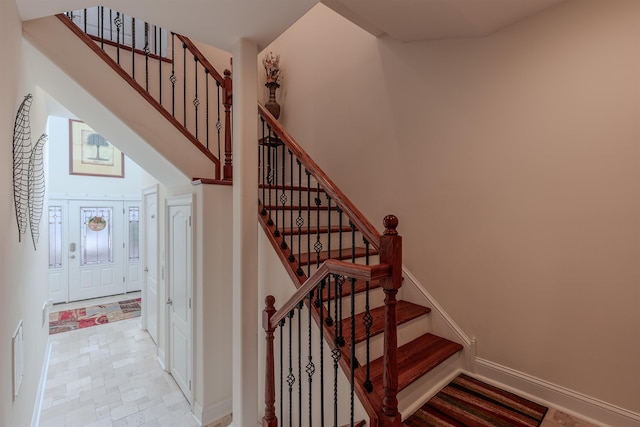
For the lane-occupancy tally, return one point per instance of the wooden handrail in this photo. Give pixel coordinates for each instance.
(330, 266)
(356, 217)
(204, 61)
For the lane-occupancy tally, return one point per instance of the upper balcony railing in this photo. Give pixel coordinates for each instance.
(170, 72)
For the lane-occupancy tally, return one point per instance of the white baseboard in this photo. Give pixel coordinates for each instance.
(37, 407)
(573, 403)
(161, 359)
(211, 413)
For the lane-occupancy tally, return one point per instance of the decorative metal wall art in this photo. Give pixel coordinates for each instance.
(21, 154)
(35, 185)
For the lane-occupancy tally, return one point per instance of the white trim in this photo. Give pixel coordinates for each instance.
(437, 310)
(573, 403)
(212, 413)
(161, 359)
(37, 407)
(105, 197)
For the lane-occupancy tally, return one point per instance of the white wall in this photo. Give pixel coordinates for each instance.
(512, 163)
(62, 183)
(23, 287)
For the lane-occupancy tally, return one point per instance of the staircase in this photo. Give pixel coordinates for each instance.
(326, 244)
(309, 221)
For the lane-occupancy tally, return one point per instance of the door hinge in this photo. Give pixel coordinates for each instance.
(189, 302)
(123, 245)
(122, 279)
(189, 384)
(189, 220)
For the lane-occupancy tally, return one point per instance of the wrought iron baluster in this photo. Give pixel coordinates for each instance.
(263, 211)
(101, 26)
(318, 244)
(146, 56)
(339, 283)
(320, 292)
(291, 257)
(281, 327)
(159, 66)
(110, 25)
(218, 122)
(328, 320)
(308, 233)
(85, 20)
(172, 77)
(274, 141)
(119, 23)
(353, 362)
(133, 48)
(336, 354)
(184, 84)
(206, 115)
(367, 320)
(196, 101)
(291, 379)
(353, 242)
(310, 368)
(299, 220)
(283, 195)
(300, 305)
(269, 174)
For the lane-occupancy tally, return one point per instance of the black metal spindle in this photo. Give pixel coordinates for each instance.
(146, 56)
(184, 84)
(291, 257)
(367, 320)
(110, 25)
(318, 244)
(133, 48)
(269, 174)
(329, 320)
(281, 327)
(160, 68)
(310, 368)
(101, 26)
(308, 222)
(119, 23)
(353, 363)
(299, 220)
(85, 20)
(283, 196)
(291, 379)
(300, 305)
(336, 354)
(263, 211)
(206, 115)
(196, 101)
(273, 139)
(320, 292)
(340, 282)
(172, 77)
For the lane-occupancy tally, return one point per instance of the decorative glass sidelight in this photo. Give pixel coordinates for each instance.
(134, 233)
(96, 241)
(55, 236)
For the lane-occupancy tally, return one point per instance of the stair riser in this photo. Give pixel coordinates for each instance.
(407, 332)
(309, 219)
(308, 242)
(376, 299)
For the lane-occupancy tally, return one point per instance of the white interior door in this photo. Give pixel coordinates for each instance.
(95, 249)
(150, 236)
(180, 273)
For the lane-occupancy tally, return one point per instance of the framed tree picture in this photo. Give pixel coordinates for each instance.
(91, 154)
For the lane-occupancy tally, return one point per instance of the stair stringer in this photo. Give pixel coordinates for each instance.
(92, 75)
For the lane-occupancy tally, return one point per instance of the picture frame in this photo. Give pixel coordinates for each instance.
(91, 154)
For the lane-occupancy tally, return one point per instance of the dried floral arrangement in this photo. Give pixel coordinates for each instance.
(271, 63)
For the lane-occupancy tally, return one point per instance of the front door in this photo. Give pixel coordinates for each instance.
(95, 249)
(179, 303)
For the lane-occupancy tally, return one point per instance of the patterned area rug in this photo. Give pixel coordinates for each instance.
(467, 402)
(69, 320)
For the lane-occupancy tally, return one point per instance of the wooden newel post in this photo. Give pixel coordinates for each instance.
(391, 253)
(227, 172)
(269, 419)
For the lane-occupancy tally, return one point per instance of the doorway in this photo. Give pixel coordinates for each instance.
(94, 248)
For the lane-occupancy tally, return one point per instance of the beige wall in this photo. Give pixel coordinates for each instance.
(23, 287)
(512, 163)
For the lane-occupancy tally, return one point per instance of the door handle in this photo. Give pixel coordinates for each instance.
(72, 256)
(146, 269)
(169, 302)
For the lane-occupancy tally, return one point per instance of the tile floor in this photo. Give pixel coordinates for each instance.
(108, 375)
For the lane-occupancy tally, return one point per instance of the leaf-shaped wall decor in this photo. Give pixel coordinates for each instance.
(36, 188)
(21, 154)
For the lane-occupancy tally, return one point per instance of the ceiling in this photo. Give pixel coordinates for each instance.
(221, 23)
(419, 20)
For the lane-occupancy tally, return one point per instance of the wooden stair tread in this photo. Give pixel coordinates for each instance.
(405, 311)
(314, 230)
(415, 359)
(347, 253)
(299, 208)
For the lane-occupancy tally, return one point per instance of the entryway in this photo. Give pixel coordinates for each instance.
(94, 248)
